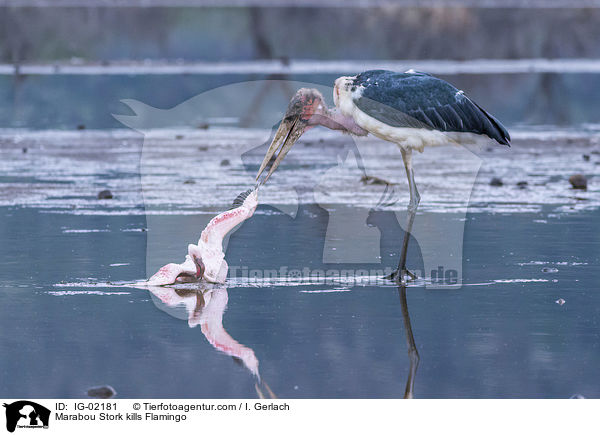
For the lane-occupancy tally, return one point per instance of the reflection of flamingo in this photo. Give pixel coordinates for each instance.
(205, 307)
(206, 259)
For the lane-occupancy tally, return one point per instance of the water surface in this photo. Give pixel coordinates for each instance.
(67, 324)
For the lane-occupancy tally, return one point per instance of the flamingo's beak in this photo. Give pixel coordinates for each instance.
(301, 108)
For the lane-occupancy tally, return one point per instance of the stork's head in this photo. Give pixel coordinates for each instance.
(305, 104)
(342, 90)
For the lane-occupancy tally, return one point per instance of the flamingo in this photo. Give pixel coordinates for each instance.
(206, 260)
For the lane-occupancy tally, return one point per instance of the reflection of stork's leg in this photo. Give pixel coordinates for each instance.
(413, 353)
(415, 198)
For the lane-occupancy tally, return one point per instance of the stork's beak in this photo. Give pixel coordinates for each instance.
(303, 105)
(289, 131)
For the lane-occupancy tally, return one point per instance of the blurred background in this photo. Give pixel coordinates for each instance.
(529, 63)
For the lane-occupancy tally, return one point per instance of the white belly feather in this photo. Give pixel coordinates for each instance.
(414, 138)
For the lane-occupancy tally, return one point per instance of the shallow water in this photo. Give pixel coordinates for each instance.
(186, 171)
(72, 317)
(69, 322)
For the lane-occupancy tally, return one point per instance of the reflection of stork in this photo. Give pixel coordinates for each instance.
(206, 260)
(205, 307)
(413, 110)
(413, 353)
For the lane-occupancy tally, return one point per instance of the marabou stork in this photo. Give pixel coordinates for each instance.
(412, 109)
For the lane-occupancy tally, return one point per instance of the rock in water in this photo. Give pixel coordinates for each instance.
(496, 182)
(105, 194)
(103, 392)
(578, 181)
(371, 180)
(225, 162)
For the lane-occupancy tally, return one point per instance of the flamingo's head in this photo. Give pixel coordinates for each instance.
(199, 265)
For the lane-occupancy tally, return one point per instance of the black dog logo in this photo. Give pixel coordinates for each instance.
(30, 412)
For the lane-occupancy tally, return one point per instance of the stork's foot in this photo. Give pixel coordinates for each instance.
(402, 276)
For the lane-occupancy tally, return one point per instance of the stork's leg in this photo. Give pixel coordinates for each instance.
(400, 274)
(415, 198)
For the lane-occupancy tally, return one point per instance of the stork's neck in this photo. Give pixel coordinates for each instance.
(335, 120)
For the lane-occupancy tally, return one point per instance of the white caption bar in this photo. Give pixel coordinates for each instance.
(300, 416)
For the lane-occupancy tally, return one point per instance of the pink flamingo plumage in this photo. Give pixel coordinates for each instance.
(206, 260)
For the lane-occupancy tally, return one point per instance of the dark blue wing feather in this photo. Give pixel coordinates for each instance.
(420, 100)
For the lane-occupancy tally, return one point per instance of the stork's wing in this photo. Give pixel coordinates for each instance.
(419, 100)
